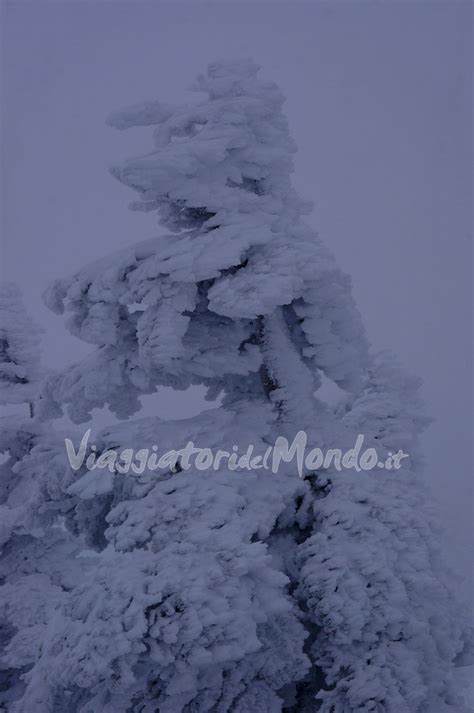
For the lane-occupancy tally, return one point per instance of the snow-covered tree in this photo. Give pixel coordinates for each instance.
(20, 370)
(371, 573)
(37, 556)
(214, 590)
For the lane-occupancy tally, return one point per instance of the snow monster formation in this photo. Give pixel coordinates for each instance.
(213, 589)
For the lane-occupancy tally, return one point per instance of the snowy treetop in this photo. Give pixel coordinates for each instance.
(219, 177)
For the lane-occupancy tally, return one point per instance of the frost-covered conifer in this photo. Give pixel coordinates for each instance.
(37, 556)
(371, 574)
(215, 590)
(20, 370)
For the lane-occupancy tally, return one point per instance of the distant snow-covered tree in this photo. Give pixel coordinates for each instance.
(213, 590)
(20, 359)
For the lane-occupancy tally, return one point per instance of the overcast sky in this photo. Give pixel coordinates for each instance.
(378, 99)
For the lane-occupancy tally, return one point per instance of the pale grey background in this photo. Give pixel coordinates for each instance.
(379, 104)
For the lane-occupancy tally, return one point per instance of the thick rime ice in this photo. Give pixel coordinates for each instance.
(220, 177)
(370, 573)
(215, 591)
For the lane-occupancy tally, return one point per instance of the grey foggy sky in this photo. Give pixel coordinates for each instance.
(378, 100)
